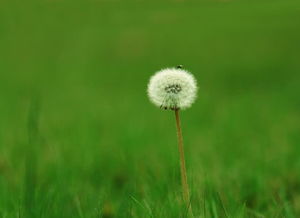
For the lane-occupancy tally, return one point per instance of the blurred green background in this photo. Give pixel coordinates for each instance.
(79, 138)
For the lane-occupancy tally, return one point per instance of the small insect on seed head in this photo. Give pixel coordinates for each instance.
(172, 88)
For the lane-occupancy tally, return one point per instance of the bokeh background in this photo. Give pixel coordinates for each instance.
(79, 138)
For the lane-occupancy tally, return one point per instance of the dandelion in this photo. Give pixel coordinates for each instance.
(174, 89)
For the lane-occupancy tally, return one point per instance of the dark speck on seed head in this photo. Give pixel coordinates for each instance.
(175, 88)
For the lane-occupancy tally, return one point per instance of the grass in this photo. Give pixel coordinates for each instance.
(79, 138)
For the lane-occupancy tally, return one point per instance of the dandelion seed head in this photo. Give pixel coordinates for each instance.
(172, 88)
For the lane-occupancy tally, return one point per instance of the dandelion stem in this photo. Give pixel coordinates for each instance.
(185, 187)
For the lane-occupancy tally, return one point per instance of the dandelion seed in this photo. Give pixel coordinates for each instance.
(172, 89)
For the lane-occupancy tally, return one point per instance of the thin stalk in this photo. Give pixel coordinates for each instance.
(185, 187)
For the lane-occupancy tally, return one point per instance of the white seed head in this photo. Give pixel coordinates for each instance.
(172, 88)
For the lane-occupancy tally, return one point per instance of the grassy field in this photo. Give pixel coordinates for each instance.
(79, 137)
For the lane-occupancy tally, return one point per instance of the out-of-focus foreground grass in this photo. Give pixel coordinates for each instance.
(79, 138)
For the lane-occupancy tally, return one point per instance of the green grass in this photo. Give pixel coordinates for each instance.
(79, 138)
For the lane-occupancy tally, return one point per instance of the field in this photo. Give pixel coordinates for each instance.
(79, 137)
